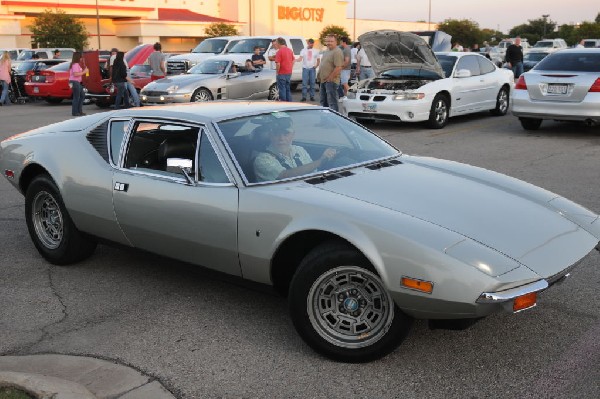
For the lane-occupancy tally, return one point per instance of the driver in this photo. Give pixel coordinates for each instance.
(281, 159)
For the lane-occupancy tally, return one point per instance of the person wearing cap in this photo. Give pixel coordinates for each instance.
(56, 54)
(310, 62)
(282, 159)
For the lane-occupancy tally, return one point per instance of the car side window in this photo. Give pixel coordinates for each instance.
(470, 63)
(210, 169)
(117, 131)
(154, 147)
(485, 65)
(297, 46)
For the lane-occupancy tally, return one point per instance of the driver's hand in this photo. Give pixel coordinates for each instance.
(328, 154)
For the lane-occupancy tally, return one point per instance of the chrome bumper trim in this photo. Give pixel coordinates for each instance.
(508, 295)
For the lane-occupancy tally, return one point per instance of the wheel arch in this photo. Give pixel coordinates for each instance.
(30, 172)
(212, 94)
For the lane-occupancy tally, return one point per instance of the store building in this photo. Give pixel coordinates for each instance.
(180, 24)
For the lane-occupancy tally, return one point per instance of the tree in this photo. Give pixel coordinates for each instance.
(534, 29)
(464, 31)
(598, 18)
(587, 30)
(220, 29)
(336, 30)
(57, 29)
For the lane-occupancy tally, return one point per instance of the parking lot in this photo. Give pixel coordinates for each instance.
(204, 335)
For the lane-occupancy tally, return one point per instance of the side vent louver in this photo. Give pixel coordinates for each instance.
(329, 177)
(97, 138)
(384, 164)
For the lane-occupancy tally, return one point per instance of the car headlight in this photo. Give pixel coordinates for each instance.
(409, 96)
(351, 95)
(172, 89)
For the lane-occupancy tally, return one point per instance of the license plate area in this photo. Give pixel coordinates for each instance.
(556, 89)
(369, 107)
(36, 89)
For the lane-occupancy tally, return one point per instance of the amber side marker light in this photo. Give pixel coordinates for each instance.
(524, 301)
(418, 285)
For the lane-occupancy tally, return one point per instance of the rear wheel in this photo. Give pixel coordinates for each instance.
(202, 95)
(273, 92)
(50, 226)
(440, 110)
(341, 308)
(502, 101)
(530, 123)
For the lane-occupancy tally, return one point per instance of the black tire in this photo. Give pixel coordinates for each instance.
(502, 102)
(530, 123)
(103, 104)
(52, 100)
(439, 113)
(201, 95)
(50, 226)
(293, 86)
(316, 305)
(273, 92)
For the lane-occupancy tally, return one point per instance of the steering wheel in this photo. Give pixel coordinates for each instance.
(343, 156)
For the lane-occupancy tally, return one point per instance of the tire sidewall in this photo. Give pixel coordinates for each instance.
(498, 111)
(433, 123)
(312, 267)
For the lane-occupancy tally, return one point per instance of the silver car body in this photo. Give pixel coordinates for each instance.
(469, 80)
(563, 86)
(480, 237)
(220, 84)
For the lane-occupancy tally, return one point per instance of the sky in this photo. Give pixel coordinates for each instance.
(503, 14)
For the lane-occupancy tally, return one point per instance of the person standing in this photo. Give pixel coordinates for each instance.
(347, 69)
(56, 54)
(363, 66)
(75, 76)
(580, 44)
(157, 63)
(310, 62)
(284, 60)
(272, 52)
(119, 78)
(332, 63)
(5, 66)
(258, 60)
(514, 57)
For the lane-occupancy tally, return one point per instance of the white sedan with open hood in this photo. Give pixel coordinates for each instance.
(413, 84)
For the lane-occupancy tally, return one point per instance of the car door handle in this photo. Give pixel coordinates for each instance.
(121, 186)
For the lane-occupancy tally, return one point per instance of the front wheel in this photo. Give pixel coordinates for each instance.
(201, 95)
(502, 101)
(439, 113)
(50, 226)
(341, 308)
(273, 92)
(530, 123)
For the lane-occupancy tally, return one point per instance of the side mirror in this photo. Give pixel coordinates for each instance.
(462, 73)
(183, 166)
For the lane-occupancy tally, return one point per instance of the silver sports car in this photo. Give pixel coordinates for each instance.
(360, 237)
(217, 78)
(564, 86)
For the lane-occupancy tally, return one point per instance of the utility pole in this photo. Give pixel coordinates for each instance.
(98, 24)
(429, 20)
(545, 19)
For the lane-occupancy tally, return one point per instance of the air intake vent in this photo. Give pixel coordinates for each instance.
(328, 177)
(384, 164)
(97, 138)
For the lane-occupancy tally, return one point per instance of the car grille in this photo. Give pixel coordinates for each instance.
(365, 97)
(177, 67)
(155, 93)
(367, 115)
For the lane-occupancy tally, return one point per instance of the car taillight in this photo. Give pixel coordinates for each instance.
(49, 76)
(521, 85)
(595, 87)
(28, 76)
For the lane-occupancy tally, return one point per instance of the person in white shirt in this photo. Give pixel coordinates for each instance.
(580, 44)
(363, 66)
(310, 62)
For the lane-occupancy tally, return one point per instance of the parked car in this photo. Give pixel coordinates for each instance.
(413, 85)
(181, 63)
(213, 79)
(46, 53)
(361, 241)
(140, 75)
(563, 86)
(550, 45)
(22, 68)
(12, 51)
(505, 43)
(532, 58)
(98, 84)
(591, 43)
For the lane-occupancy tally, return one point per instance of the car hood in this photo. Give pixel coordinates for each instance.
(179, 80)
(510, 216)
(390, 49)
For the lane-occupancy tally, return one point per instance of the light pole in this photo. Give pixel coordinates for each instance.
(545, 18)
(354, 22)
(429, 23)
(98, 24)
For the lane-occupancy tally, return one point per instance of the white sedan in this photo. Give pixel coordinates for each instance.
(413, 84)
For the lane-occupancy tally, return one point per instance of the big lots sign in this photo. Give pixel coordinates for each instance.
(300, 13)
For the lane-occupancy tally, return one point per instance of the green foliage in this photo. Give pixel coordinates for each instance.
(534, 30)
(587, 30)
(57, 29)
(463, 31)
(220, 29)
(492, 36)
(336, 30)
(597, 18)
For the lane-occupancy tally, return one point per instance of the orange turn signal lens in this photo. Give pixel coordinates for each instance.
(524, 301)
(419, 285)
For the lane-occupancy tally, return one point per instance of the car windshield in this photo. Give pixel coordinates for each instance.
(140, 70)
(247, 45)
(543, 44)
(534, 56)
(573, 62)
(214, 46)
(25, 55)
(24, 66)
(62, 67)
(266, 145)
(211, 67)
(447, 62)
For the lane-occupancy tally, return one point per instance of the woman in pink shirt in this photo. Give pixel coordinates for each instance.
(75, 74)
(5, 77)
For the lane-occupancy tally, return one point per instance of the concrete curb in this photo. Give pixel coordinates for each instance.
(61, 375)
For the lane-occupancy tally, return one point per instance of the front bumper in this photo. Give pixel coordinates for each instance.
(383, 107)
(524, 107)
(164, 98)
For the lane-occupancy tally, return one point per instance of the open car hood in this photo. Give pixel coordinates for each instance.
(390, 49)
